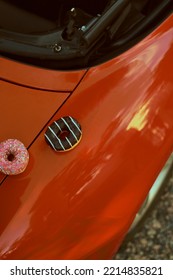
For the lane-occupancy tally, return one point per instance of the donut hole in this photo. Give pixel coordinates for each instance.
(10, 157)
(63, 134)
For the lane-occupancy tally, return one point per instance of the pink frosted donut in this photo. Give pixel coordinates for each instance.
(14, 157)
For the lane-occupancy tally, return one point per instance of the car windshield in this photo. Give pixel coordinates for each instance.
(75, 33)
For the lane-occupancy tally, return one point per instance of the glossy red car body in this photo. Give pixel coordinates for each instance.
(80, 204)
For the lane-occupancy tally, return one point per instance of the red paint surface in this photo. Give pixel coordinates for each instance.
(25, 111)
(79, 204)
(39, 78)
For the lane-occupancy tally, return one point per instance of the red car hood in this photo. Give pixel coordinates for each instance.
(29, 98)
(81, 203)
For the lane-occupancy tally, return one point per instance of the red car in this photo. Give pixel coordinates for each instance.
(87, 87)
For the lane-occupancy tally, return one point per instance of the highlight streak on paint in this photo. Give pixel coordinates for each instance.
(139, 120)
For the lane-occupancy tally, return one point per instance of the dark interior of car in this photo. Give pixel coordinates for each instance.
(36, 17)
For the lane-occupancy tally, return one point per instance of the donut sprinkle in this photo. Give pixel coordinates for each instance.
(14, 157)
